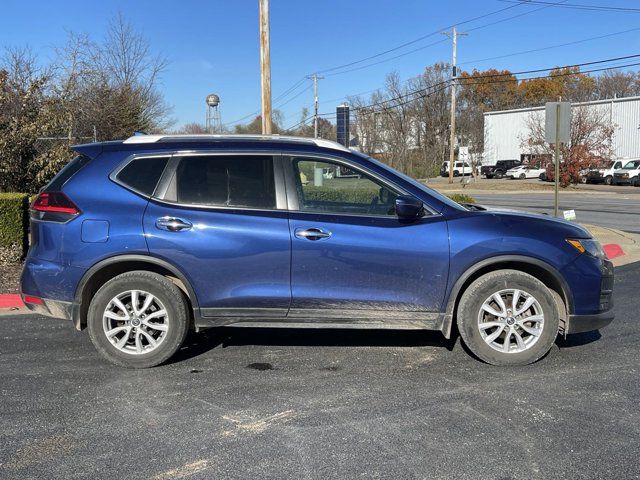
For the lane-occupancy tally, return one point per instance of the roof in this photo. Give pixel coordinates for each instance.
(573, 104)
(319, 142)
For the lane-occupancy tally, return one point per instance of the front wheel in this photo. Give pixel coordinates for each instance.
(522, 176)
(608, 180)
(508, 317)
(138, 319)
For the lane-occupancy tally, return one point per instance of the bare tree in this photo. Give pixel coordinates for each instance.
(613, 83)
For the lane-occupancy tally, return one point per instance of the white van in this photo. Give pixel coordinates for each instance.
(605, 173)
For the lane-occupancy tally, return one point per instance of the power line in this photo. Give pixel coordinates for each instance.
(434, 43)
(411, 42)
(479, 80)
(416, 40)
(575, 42)
(576, 6)
(281, 96)
(523, 72)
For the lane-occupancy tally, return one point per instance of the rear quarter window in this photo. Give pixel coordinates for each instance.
(68, 171)
(142, 174)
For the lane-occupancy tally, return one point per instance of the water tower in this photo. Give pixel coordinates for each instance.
(214, 124)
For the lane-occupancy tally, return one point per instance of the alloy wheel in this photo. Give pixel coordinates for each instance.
(511, 320)
(135, 322)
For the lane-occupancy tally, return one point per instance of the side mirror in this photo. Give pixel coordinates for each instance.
(408, 207)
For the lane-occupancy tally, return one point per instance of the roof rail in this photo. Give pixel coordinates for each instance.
(320, 142)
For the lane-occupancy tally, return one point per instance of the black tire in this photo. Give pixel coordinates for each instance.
(489, 177)
(499, 174)
(523, 176)
(456, 173)
(608, 180)
(635, 181)
(583, 180)
(166, 292)
(481, 289)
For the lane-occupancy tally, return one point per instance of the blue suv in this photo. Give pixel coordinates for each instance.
(142, 240)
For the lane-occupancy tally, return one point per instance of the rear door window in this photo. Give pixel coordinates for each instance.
(230, 181)
(142, 174)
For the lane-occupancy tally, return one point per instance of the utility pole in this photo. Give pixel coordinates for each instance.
(265, 67)
(454, 74)
(315, 77)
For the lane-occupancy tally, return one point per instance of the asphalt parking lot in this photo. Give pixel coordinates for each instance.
(247, 403)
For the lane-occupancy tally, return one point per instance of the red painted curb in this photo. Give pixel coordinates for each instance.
(613, 250)
(10, 301)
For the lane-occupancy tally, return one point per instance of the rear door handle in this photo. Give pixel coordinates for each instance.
(312, 233)
(172, 224)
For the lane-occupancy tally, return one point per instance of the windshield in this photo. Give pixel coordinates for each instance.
(443, 198)
(632, 165)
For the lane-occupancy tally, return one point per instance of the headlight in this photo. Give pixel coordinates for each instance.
(587, 246)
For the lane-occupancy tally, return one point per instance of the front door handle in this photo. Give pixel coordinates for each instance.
(172, 224)
(312, 233)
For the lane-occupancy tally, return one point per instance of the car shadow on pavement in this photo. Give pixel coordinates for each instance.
(578, 339)
(200, 343)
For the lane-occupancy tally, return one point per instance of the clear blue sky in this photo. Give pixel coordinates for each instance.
(212, 45)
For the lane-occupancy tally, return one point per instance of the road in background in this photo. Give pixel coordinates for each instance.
(316, 404)
(611, 210)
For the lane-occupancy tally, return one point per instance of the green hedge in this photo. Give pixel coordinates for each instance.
(461, 198)
(14, 223)
(339, 195)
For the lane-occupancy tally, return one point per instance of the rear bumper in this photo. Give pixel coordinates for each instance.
(51, 308)
(587, 323)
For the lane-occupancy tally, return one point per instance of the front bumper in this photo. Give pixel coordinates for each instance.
(587, 323)
(579, 323)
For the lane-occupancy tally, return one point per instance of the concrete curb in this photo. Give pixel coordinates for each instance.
(8, 300)
(621, 247)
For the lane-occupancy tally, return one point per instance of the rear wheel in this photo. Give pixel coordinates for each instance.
(138, 319)
(508, 317)
(522, 176)
(456, 173)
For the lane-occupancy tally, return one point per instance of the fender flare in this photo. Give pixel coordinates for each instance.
(487, 262)
(77, 303)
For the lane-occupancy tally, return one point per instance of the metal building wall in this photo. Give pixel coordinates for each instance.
(505, 131)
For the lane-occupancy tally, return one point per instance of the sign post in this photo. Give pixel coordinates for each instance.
(557, 131)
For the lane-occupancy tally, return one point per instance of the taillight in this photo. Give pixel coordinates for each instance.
(54, 202)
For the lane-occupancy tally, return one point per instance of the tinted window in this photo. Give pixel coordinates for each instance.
(143, 174)
(237, 181)
(69, 170)
(332, 188)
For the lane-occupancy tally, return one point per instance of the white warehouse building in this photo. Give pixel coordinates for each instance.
(505, 131)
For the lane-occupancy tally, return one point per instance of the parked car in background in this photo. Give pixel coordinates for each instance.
(459, 168)
(141, 241)
(499, 169)
(525, 171)
(604, 172)
(630, 173)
